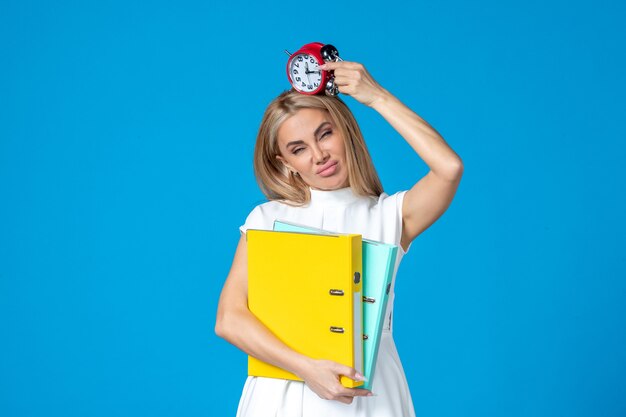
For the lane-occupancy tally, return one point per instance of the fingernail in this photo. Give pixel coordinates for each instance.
(371, 394)
(359, 377)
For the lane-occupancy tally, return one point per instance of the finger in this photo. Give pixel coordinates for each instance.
(351, 74)
(346, 77)
(358, 392)
(349, 372)
(345, 89)
(340, 81)
(329, 66)
(345, 400)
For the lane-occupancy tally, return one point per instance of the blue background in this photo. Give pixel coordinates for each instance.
(126, 139)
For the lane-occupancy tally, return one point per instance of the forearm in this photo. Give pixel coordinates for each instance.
(422, 137)
(241, 328)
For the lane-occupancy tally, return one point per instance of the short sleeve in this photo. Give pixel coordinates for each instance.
(254, 217)
(400, 201)
(259, 218)
(392, 207)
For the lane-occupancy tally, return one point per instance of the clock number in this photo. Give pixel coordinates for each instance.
(317, 84)
(298, 79)
(295, 71)
(312, 60)
(296, 65)
(299, 59)
(310, 87)
(303, 84)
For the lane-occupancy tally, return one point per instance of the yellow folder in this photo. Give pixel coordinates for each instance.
(306, 289)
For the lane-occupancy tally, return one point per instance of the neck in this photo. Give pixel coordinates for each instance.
(338, 196)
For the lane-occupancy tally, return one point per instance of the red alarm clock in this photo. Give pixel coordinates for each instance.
(304, 73)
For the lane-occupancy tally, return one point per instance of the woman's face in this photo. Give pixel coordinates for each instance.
(311, 145)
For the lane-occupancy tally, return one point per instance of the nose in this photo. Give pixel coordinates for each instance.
(320, 155)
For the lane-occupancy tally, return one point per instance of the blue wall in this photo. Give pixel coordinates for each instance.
(126, 138)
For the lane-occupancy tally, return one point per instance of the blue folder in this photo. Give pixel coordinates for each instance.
(379, 260)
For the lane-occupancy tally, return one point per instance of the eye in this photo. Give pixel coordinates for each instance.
(324, 134)
(297, 150)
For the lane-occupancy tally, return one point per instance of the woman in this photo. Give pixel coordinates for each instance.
(313, 165)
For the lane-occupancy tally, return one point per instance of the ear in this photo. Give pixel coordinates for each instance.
(281, 159)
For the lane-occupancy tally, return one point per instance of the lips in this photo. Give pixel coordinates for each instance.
(326, 166)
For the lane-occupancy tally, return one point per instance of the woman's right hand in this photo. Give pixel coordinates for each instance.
(323, 378)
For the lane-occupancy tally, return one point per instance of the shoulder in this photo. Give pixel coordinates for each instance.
(391, 212)
(387, 207)
(270, 208)
(391, 202)
(263, 215)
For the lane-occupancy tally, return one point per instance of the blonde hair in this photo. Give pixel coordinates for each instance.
(279, 183)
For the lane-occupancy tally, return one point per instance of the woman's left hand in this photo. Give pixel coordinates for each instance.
(353, 79)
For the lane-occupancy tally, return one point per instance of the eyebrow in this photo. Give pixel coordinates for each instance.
(300, 141)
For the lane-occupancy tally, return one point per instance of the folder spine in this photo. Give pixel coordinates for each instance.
(356, 273)
(381, 307)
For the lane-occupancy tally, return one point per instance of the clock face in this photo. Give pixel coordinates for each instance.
(305, 73)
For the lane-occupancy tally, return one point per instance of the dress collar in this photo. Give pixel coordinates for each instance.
(340, 196)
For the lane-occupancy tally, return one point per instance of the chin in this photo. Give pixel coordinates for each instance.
(333, 183)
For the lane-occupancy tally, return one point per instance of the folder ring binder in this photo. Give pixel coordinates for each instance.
(336, 329)
(336, 292)
(368, 300)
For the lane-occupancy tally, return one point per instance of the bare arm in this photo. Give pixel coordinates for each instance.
(239, 326)
(429, 197)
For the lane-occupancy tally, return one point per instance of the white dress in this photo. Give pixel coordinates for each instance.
(341, 211)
